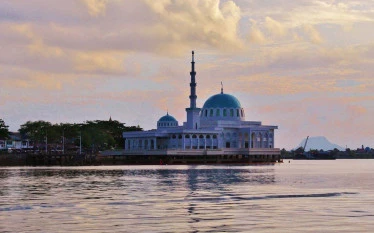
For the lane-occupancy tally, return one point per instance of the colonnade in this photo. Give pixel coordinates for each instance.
(202, 141)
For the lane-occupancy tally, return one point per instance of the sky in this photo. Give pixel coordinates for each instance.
(306, 66)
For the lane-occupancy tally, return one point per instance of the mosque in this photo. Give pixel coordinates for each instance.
(215, 133)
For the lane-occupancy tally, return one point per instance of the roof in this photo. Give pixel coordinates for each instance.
(222, 101)
(167, 117)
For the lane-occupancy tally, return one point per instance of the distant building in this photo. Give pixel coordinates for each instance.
(218, 129)
(15, 141)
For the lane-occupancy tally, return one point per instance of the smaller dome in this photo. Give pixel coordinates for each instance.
(167, 117)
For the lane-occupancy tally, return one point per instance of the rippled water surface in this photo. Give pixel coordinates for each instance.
(300, 196)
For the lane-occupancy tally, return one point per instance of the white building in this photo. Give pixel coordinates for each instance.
(15, 141)
(218, 129)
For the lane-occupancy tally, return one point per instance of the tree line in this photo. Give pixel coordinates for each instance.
(91, 135)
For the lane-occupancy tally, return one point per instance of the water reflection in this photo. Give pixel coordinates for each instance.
(154, 198)
(188, 198)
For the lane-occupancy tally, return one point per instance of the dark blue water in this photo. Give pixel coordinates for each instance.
(300, 196)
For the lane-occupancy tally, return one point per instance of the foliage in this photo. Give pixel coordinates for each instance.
(93, 135)
(299, 150)
(283, 152)
(36, 131)
(4, 132)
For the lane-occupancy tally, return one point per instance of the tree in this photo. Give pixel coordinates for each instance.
(4, 132)
(283, 152)
(94, 135)
(36, 131)
(299, 150)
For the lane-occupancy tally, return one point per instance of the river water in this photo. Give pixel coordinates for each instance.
(296, 196)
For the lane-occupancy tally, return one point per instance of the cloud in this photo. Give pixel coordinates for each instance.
(255, 34)
(274, 27)
(207, 22)
(313, 34)
(96, 7)
(99, 61)
(37, 45)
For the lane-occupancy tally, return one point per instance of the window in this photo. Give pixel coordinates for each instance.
(231, 112)
(206, 113)
(211, 112)
(237, 113)
(218, 112)
(224, 112)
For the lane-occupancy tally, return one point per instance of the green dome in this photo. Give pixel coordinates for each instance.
(222, 101)
(167, 117)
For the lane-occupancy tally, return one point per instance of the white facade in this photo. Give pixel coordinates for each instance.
(218, 128)
(15, 142)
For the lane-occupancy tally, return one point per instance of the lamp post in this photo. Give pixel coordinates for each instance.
(46, 142)
(63, 141)
(80, 142)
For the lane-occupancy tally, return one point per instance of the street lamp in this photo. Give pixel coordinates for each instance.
(63, 141)
(80, 142)
(46, 142)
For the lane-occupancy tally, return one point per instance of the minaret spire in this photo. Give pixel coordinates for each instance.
(193, 96)
(221, 87)
(193, 113)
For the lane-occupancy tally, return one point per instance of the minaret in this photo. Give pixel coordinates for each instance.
(193, 118)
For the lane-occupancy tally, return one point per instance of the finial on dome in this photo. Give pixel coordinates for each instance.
(221, 87)
(193, 56)
(167, 112)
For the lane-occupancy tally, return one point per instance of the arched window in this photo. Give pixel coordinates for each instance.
(207, 136)
(218, 112)
(214, 136)
(206, 113)
(241, 110)
(201, 136)
(174, 136)
(224, 112)
(211, 112)
(180, 136)
(187, 136)
(231, 112)
(194, 136)
(237, 113)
